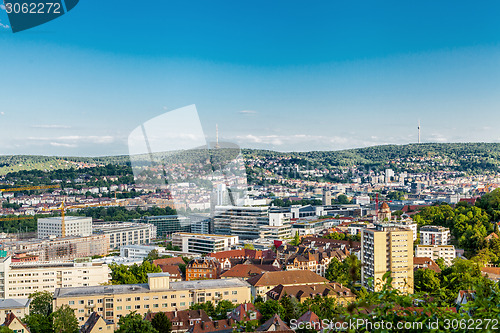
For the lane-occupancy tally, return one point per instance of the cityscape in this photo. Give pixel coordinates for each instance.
(222, 167)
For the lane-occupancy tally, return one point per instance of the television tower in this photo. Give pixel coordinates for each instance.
(217, 136)
(418, 131)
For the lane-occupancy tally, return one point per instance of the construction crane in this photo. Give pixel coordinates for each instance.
(29, 188)
(63, 209)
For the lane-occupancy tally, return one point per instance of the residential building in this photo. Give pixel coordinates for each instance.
(245, 312)
(275, 324)
(167, 224)
(159, 294)
(20, 280)
(67, 248)
(124, 233)
(327, 197)
(13, 323)
(425, 263)
(74, 226)
(447, 252)
(342, 294)
(314, 259)
(203, 244)
(276, 232)
(203, 268)
(434, 235)
(266, 281)
(387, 248)
(139, 252)
(96, 323)
(182, 320)
(219, 326)
(243, 222)
(246, 271)
(19, 307)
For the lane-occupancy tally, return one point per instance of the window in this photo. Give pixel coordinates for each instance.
(155, 305)
(137, 298)
(81, 302)
(146, 298)
(173, 296)
(146, 306)
(226, 293)
(71, 302)
(128, 307)
(164, 305)
(128, 299)
(138, 306)
(173, 304)
(118, 308)
(235, 292)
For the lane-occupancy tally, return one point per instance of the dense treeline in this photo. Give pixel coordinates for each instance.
(123, 214)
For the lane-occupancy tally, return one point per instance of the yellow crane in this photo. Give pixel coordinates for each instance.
(63, 209)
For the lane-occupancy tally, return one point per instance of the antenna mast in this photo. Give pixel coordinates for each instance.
(419, 131)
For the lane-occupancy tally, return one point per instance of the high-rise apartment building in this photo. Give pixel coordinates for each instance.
(383, 249)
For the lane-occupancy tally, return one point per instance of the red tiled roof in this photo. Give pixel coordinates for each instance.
(247, 271)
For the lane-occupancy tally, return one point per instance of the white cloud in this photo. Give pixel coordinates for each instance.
(248, 112)
(4, 26)
(53, 126)
(279, 140)
(76, 139)
(2, 113)
(66, 145)
(2, 7)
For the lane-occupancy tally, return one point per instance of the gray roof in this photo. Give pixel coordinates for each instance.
(10, 303)
(144, 288)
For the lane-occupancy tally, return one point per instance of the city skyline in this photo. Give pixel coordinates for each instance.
(293, 77)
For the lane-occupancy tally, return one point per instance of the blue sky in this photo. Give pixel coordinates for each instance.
(283, 75)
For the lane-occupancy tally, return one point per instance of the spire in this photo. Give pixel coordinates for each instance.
(419, 131)
(217, 136)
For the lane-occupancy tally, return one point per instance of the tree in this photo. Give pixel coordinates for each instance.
(38, 323)
(122, 274)
(65, 320)
(133, 323)
(208, 307)
(222, 308)
(426, 280)
(296, 239)
(41, 303)
(249, 246)
(5, 329)
(343, 199)
(270, 308)
(161, 323)
(153, 255)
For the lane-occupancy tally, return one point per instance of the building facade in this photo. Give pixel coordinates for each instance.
(74, 226)
(67, 248)
(203, 268)
(20, 280)
(20, 307)
(121, 234)
(159, 294)
(434, 235)
(384, 249)
(243, 222)
(447, 252)
(203, 244)
(167, 224)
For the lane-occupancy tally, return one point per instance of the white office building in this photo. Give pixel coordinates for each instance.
(199, 243)
(125, 233)
(74, 226)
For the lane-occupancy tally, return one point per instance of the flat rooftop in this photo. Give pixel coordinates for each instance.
(144, 288)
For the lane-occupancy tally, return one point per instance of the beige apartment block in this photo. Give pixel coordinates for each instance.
(19, 280)
(447, 252)
(19, 307)
(387, 248)
(159, 294)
